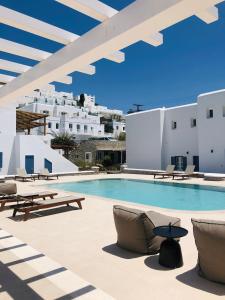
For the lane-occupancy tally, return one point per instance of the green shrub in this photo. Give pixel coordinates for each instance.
(107, 161)
(122, 136)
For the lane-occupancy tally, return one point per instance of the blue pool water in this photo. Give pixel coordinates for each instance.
(162, 194)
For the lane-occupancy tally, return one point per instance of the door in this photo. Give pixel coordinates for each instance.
(48, 165)
(180, 162)
(196, 163)
(29, 164)
(88, 157)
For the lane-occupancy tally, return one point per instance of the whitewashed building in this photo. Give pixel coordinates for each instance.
(30, 152)
(182, 135)
(65, 114)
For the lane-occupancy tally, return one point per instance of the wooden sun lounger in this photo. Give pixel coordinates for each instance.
(25, 197)
(167, 173)
(186, 174)
(24, 178)
(43, 204)
(46, 174)
(162, 174)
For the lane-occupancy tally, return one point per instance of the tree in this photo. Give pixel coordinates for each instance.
(63, 141)
(122, 136)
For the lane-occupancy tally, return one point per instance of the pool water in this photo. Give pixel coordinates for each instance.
(161, 194)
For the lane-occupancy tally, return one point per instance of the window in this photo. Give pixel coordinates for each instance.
(45, 112)
(78, 127)
(85, 128)
(49, 125)
(209, 113)
(57, 126)
(124, 128)
(174, 125)
(92, 129)
(70, 126)
(193, 123)
(117, 127)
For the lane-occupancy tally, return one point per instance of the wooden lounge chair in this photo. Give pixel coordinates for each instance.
(46, 174)
(168, 172)
(8, 194)
(22, 174)
(43, 204)
(26, 198)
(186, 174)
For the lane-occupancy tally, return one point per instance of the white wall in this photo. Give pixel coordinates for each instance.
(211, 132)
(8, 120)
(144, 139)
(7, 135)
(34, 145)
(182, 141)
(8, 150)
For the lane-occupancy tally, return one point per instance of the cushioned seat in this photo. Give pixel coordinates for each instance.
(8, 189)
(210, 241)
(134, 229)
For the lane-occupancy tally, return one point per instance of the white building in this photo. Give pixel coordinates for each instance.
(188, 134)
(29, 152)
(65, 114)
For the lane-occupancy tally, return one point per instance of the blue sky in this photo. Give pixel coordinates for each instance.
(191, 60)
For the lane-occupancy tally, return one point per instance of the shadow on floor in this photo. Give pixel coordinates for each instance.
(192, 279)
(14, 286)
(44, 213)
(153, 263)
(122, 253)
(11, 285)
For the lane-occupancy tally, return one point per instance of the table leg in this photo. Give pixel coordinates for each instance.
(170, 254)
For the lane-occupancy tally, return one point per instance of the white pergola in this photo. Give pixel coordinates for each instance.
(141, 20)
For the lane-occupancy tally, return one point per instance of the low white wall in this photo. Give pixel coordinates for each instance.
(33, 145)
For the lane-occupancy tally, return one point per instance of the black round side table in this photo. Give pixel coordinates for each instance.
(170, 254)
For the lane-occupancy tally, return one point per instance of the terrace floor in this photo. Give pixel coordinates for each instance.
(83, 241)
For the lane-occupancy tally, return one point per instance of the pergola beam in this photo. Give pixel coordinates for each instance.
(6, 78)
(123, 29)
(209, 15)
(43, 29)
(20, 68)
(94, 8)
(101, 12)
(35, 54)
(154, 39)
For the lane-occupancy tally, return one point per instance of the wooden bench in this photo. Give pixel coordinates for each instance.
(25, 197)
(43, 204)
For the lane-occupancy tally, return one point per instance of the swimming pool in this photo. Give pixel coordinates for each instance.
(161, 194)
